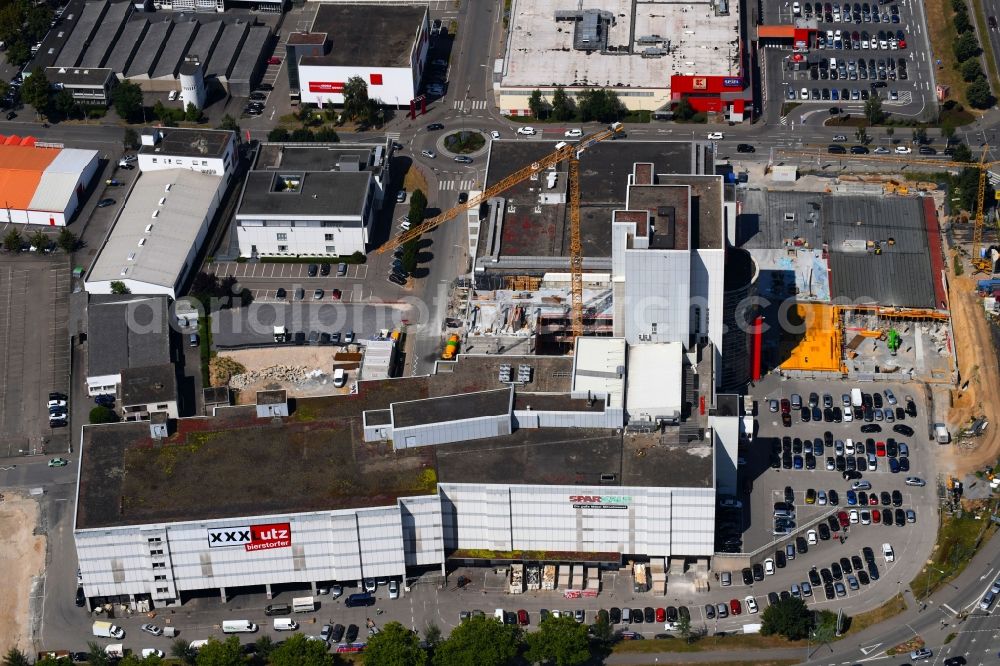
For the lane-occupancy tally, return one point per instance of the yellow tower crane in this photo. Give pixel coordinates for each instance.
(569, 152)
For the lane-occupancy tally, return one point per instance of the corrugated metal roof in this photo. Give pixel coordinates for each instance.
(21, 169)
(54, 191)
(71, 160)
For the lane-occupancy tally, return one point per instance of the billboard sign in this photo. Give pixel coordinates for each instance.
(600, 501)
(326, 87)
(251, 537)
(732, 82)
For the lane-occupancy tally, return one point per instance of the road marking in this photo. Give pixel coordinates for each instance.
(953, 611)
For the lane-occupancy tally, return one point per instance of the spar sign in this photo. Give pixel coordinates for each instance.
(252, 537)
(600, 501)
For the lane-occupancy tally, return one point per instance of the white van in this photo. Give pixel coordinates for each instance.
(238, 627)
(856, 397)
(198, 644)
(339, 377)
(887, 553)
(285, 624)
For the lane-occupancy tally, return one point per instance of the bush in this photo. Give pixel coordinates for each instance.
(102, 414)
(979, 95)
(971, 69)
(966, 46)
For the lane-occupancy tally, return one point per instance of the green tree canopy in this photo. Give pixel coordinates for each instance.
(278, 135)
(15, 657)
(64, 103)
(96, 656)
(536, 104)
(562, 105)
(683, 109)
(971, 69)
(297, 650)
(479, 640)
(962, 153)
(130, 139)
(127, 100)
(37, 92)
(355, 97)
(979, 95)
(192, 113)
(13, 241)
(39, 240)
(118, 287)
(599, 104)
(790, 618)
(559, 640)
(228, 123)
(966, 46)
(221, 653)
(102, 414)
(181, 649)
(66, 240)
(873, 110)
(394, 645)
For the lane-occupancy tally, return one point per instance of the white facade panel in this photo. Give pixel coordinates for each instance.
(320, 84)
(302, 239)
(707, 287)
(423, 537)
(451, 431)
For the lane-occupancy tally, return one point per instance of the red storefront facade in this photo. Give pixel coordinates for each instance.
(718, 94)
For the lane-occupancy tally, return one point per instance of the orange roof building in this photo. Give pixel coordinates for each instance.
(42, 183)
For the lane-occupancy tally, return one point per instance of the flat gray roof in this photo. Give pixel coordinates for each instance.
(762, 224)
(78, 76)
(163, 255)
(188, 142)
(451, 408)
(175, 48)
(108, 32)
(329, 157)
(901, 275)
(366, 36)
(126, 332)
(86, 25)
(153, 43)
(148, 384)
(227, 49)
(321, 193)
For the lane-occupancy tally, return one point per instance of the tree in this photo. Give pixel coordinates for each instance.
(13, 241)
(962, 153)
(599, 104)
(432, 635)
(218, 653)
(66, 240)
(920, 135)
(962, 23)
(130, 139)
(127, 100)
(355, 97)
(479, 640)
(15, 657)
(873, 110)
(278, 135)
(64, 103)
(192, 113)
(790, 618)
(39, 240)
(300, 651)
(181, 649)
(536, 104)
(37, 92)
(602, 631)
(394, 645)
(979, 95)
(102, 414)
(263, 647)
(118, 287)
(862, 135)
(559, 640)
(683, 109)
(228, 123)
(966, 46)
(562, 105)
(160, 110)
(327, 135)
(971, 69)
(96, 656)
(684, 627)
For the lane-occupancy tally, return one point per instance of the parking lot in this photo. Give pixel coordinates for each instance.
(796, 459)
(34, 343)
(859, 50)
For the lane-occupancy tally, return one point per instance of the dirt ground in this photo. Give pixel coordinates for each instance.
(22, 558)
(977, 363)
(315, 362)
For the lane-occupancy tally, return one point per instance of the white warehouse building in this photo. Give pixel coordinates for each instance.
(385, 46)
(210, 520)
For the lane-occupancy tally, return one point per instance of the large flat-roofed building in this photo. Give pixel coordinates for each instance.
(386, 47)
(205, 151)
(635, 48)
(154, 506)
(41, 182)
(317, 200)
(154, 241)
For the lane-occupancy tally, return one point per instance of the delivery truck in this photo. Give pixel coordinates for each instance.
(104, 629)
(303, 605)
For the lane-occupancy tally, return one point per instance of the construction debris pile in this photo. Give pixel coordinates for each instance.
(284, 374)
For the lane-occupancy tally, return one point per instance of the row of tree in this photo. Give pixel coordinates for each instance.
(23, 23)
(37, 91)
(967, 51)
(590, 104)
(15, 241)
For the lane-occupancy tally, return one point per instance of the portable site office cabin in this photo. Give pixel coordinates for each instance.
(303, 605)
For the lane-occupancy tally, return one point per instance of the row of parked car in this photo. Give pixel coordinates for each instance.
(857, 13)
(58, 415)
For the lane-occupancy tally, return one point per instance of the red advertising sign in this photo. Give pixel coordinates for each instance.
(326, 86)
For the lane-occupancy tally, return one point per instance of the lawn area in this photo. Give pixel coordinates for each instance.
(862, 621)
(415, 180)
(958, 540)
(943, 35)
(737, 642)
(979, 16)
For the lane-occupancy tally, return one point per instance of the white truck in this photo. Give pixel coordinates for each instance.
(104, 629)
(115, 650)
(281, 334)
(941, 435)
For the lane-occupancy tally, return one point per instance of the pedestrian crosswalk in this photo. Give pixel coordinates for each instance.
(783, 120)
(905, 97)
(462, 185)
(470, 104)
(392, 136)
